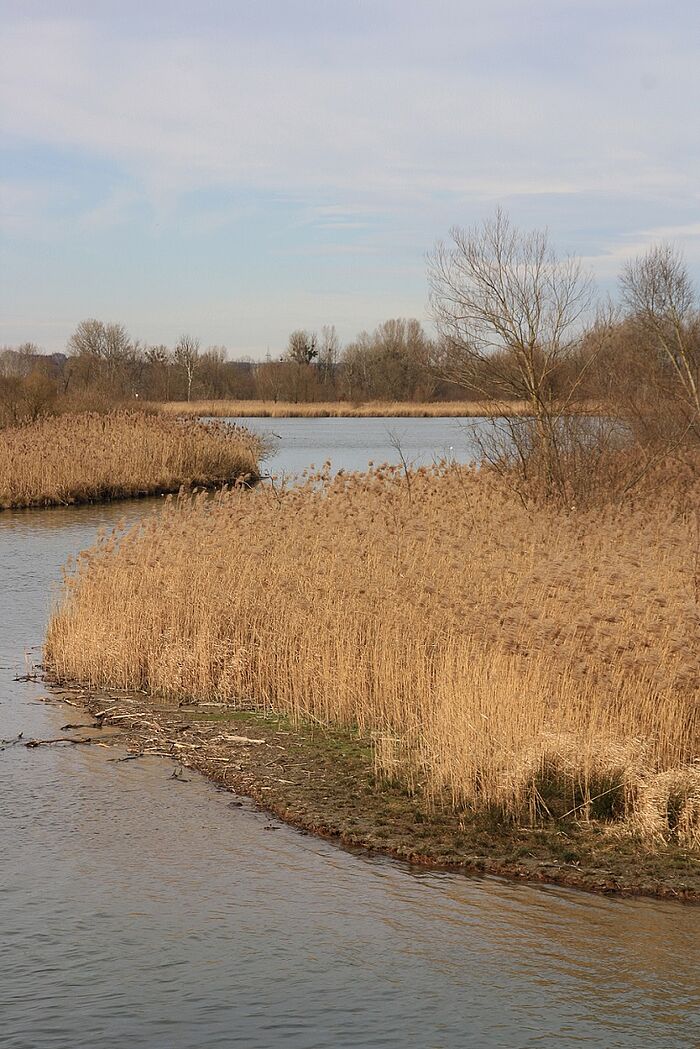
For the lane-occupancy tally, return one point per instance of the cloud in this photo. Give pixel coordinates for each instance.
(687, 231)
(165, 147)
(608, 263)
(185, 111)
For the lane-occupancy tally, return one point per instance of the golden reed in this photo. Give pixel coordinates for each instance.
(341, 409)
(533, 663)
(89, 457)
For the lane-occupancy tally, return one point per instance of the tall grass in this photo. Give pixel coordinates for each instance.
(529, 662)
(88, 457)
(341, 409)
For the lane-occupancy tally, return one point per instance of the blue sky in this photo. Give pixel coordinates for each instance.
(238, 169)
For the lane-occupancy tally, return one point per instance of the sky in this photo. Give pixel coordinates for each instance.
(238, 169)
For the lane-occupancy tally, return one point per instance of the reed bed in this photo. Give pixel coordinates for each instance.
(341, 409)
(90, 457)
(534, 664)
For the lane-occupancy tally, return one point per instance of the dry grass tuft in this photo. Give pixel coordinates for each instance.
(90, 457)
(537, 664)
(668, 806)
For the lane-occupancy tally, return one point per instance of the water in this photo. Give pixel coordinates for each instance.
(351, 444)
(137, 911)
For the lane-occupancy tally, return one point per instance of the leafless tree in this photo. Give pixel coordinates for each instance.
(509, 313)
(391, 362)
(269, 380)
(158, 360)
(328, 352)
(104, 355)
(302, 347)
(212, 371)
(186, 356)
(507, 306)
(110, 343)
(662, 301)
(21, 361)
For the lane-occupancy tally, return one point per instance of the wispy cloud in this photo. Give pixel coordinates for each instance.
(182, 112)
(298, 130)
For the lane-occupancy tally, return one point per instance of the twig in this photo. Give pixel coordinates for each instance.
(590, 801)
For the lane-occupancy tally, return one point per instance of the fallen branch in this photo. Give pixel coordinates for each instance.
(61, 739)
(239, 739)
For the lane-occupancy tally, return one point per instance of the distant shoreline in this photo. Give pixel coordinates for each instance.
(342, 409)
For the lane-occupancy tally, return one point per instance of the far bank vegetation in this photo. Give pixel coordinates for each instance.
(341, 409)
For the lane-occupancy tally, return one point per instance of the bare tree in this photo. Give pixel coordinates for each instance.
(509, 313)
(269, 379)
(660, 296)
(104, 353)
(300, 376)
(212, 371)
(506, 306)
(186, 356)
(109, 342)
(392, 362)
(302, 347)
(328, 352)
(158, 360)
(21, 361)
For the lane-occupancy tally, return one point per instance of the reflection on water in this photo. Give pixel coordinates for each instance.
(138, 911)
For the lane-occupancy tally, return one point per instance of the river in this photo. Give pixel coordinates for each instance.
(138, 911)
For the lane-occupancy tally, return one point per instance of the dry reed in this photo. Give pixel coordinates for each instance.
(89, 457)
(341, 409)
(533, 663)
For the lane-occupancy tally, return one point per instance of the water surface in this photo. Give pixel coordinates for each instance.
(350, 444)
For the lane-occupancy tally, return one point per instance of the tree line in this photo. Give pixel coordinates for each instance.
(103, 364)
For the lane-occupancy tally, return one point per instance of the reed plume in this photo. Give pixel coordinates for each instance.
(529, 662)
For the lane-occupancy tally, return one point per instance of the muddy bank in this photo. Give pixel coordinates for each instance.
(323, 782)
(121, 495)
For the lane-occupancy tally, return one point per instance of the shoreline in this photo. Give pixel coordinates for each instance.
(322, 782)
(160, 491)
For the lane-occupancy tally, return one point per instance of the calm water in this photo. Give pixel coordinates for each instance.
(140, 912)
(351, 444)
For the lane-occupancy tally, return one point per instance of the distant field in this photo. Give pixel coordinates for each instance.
(341, 409)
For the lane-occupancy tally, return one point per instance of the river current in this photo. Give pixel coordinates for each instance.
(139, 911)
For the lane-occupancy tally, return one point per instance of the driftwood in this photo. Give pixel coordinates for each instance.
(239, 739)
(62, 739)
(56, 700)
